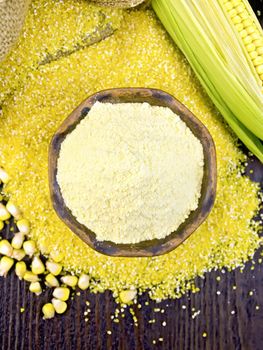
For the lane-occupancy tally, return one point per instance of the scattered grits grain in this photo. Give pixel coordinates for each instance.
(131, 172)
(138, 54)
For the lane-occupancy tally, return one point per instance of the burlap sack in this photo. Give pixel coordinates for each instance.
(12, 16)
(13, 12)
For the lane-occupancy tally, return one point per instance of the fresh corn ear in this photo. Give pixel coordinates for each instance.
(222, 41)
(248, 32)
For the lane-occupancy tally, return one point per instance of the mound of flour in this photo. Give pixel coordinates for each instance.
(131, 172)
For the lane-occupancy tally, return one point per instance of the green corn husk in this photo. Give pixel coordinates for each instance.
(208, 40)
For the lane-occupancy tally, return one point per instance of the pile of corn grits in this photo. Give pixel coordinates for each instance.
(139, 53)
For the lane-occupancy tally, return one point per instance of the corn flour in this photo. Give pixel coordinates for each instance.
(131, 171)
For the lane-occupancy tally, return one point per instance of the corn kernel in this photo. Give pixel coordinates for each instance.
(30, 247)
(259, 69)
(18, 254)
(237, 19)
(239, 27)
(56, 256)
(250, 47)
(53, 267)
(51, 280)
(240, 7)
(228, 6)
(235, 2)
(232, 13)
(247, 40)
(69, 280)
(18, 240)
(61, 293)
(258, 42)
(30, 277)
(4, 214)
(35, 287)
(59, 306)
(48, 311)
(253, 54)
(83, 282)
(256, 36)
(23, 226)
(260, 51)
(126, 296)
(13, 210)
(4, 177)
(248, 22)
(43, 247)
(5, 265)
(20, 269)
(243, 14)
(1, 225)
(243, 33)
(37, 266)
(6, 248)
(258, 60)
(250, 29)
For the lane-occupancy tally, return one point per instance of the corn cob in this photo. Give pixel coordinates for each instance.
(248, 31)
(222, 41)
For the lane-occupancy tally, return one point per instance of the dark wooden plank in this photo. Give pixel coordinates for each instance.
(242, 329)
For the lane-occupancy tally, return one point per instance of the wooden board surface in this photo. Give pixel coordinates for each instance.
(231, 318)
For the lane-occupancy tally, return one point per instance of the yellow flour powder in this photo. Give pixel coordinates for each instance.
(131, 171)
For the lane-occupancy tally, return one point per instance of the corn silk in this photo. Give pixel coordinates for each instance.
(51, 71)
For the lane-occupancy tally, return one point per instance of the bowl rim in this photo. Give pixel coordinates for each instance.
(208, 193)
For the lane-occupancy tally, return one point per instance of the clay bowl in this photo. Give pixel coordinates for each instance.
(208, 191)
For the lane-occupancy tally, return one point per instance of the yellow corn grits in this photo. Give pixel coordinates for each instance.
(139, 53)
